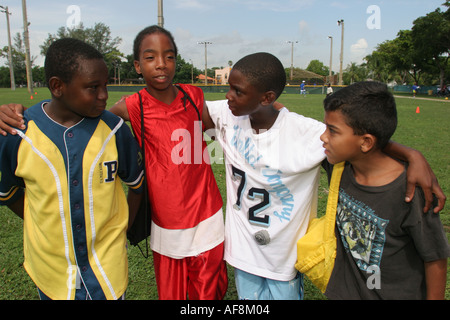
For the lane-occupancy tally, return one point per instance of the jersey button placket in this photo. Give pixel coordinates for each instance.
(76, 196)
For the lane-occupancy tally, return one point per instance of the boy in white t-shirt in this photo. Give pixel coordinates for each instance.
(272, 160)
(272, 170)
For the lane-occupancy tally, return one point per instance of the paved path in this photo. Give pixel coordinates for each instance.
(418, 98)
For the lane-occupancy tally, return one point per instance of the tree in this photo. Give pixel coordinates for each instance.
(431, 39)
(300, 75)
(377, 65)
(98, 36)
(354, 73)
(185, 72)
(5, 80)
(399, 57)
(403, 56)
(18, 58)
(318, 67)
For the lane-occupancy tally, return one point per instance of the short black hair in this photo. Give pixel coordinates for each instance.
(148, 31)
(63, 58)
(368, 107)
(264, 71)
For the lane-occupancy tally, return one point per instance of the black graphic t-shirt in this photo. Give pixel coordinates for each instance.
(383, 242)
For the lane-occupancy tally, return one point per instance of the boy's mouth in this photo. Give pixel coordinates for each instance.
(161, 78)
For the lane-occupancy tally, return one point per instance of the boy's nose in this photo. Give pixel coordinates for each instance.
(160, 63)
(103, 93)
(228, 95)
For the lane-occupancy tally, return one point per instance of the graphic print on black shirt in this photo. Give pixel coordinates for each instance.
(361, 230)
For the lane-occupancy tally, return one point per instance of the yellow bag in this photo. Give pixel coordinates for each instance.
(316, 250)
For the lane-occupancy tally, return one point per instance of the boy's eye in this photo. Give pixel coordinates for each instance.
(332, 131)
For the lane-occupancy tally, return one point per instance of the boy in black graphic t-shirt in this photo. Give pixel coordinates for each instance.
(386, 248)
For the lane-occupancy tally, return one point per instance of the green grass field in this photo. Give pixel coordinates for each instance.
(426, 131)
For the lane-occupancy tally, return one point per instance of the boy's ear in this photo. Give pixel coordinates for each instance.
(368, 142)
(55, 84)
(268, 98)
(137, 66)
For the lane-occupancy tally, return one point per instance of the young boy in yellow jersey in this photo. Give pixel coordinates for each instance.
(63, 174)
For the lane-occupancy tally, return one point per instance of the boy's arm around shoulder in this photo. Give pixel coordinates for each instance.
(11, 186)
(436, 279)
(419, 173)
(430, 241)
(11, 116)
(120, 109)
(206, 118)
(210, 116)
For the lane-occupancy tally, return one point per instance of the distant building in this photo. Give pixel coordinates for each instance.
(201, 79)
(222, 75)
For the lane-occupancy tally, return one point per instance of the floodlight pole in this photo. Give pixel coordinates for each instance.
(292, 57)
(192, 71)
(206, 59)
(26, 39)
(11, 69)
(160, 14)
(331, 59)
(341, 23)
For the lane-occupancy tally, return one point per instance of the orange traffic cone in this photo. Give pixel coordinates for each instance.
(417, 110)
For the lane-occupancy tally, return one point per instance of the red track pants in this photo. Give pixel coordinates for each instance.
(203, 277)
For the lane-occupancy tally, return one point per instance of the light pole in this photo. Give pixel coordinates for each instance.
(341, 23)
(192, 71)
(160, 14)
(206, 59)
(292, 57)
(331, 59)
(11, 69)
(26, 39)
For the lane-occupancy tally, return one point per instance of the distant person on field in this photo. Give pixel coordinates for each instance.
(302, 88)
(415, 89)
(329, 89)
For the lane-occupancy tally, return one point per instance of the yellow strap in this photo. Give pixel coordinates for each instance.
(333, 196)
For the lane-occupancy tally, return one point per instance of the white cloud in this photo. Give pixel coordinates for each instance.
(190, 4)
(304, 27)
(360, 46)
(358, 50)
(270, 5)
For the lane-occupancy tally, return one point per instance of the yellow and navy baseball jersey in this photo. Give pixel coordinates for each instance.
(75, 207)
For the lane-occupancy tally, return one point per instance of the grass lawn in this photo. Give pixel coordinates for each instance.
(426, 131)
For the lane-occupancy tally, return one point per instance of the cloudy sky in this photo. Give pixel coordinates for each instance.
(234, 27)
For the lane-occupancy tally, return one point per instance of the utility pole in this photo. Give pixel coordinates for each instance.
(292, 57)
(11, 69)
(192, 71)
(206, 59)
(341, 23)
(26, 39)
(331, 59)
(160, 14)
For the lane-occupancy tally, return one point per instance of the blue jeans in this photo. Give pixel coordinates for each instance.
(253, 287)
